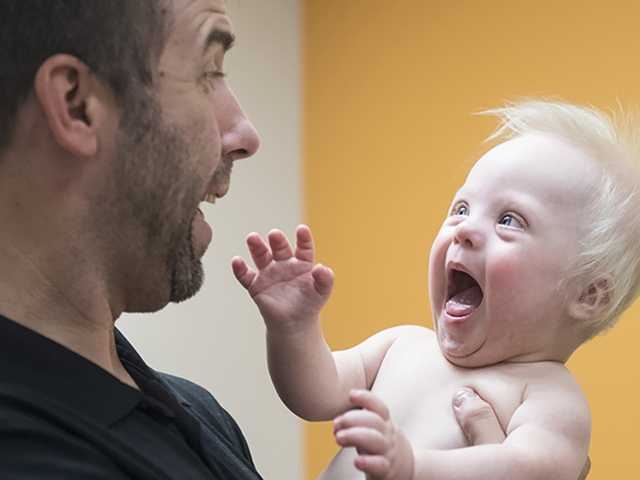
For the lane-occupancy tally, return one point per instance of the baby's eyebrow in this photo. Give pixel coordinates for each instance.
(461, 193)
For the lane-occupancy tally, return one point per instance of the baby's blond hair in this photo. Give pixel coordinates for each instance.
(609, 251)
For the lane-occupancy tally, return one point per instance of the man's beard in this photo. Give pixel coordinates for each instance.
(185, 269)
(156, 191)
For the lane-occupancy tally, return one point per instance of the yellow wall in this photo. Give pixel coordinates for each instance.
(389, 91)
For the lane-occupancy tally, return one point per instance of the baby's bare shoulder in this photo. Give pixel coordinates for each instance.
(543, 376)
(416, 333)
(415, 337)
(415, 347)
(553, 393)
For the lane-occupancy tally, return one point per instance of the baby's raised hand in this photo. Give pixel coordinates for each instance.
(384, 453)
(288, 287)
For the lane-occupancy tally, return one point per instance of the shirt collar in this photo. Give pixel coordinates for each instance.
(28, 359)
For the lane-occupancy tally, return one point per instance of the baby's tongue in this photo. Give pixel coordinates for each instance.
(465, 302)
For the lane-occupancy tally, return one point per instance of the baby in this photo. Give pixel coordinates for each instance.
(538, 254)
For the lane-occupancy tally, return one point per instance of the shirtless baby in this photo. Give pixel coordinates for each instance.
(538, 254)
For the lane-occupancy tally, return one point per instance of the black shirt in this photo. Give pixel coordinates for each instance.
(63, 417)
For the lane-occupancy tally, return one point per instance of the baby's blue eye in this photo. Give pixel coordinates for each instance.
(509, 220)
(460, 209)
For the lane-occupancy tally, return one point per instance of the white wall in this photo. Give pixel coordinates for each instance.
(217, 338)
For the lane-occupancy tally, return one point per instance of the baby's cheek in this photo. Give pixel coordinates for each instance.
(519, 282)
(437, 256)
(508, 279)
(506, 269)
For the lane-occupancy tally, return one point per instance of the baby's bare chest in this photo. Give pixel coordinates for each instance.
(418, 385)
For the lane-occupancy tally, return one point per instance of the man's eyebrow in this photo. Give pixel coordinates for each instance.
(218, 36)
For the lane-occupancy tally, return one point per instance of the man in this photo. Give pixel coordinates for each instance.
(115, 123)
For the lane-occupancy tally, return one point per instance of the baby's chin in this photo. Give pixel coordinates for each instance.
(467, 353)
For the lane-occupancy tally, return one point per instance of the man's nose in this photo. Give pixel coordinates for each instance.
(240, 138)
(468, 234)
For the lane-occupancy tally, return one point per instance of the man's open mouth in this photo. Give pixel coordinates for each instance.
(464, 294)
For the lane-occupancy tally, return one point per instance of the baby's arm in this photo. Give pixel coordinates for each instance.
(548, 437)
(290, 290)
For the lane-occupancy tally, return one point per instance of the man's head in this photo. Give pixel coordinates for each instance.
(123, 111)
(118, 40)
(540, 249)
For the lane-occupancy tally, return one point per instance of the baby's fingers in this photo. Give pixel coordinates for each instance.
(280, 247)
(365, 440)
(260, 252)
(375, 466)
(370, 401)
(359, 418)
(304, 244)
(242, 272)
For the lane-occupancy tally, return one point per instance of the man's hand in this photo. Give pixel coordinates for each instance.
(288, 287)
(384, 453)
(476, 418)
(480, 424)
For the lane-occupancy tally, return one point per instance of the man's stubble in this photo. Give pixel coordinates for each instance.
(147, 214)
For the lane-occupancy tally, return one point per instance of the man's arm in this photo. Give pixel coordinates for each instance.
(290, 290)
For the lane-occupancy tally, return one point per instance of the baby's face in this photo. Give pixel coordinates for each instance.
(511, 234)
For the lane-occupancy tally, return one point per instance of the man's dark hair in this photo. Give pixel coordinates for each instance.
(119, 40)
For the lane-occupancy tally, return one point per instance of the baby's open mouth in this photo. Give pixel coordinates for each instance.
(464, 294)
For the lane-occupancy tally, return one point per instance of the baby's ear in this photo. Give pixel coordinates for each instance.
(592, 300)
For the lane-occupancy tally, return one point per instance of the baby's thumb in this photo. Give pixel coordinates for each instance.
(322, 279)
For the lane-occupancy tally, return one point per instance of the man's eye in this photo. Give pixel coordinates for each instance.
(510, 220)
(213, 75)
(460, 209)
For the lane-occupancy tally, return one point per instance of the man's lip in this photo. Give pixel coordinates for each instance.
(223, 189)
(217, 191)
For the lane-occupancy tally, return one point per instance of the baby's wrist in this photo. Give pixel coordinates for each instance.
(294, 328)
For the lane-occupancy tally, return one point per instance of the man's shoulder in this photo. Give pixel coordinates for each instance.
(188, 391)
(197, 398)
(204, 406)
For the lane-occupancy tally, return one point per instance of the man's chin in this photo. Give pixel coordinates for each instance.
(186, 282)
(186, 271)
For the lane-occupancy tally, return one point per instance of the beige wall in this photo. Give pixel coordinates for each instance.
(389, 92)
(217, 339)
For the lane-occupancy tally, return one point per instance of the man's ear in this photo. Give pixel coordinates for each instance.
(66, 91)
(592, 300)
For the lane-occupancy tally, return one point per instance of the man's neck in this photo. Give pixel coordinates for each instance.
(70, 309)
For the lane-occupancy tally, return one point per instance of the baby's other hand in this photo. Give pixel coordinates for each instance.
(288, 287)
(384, 453)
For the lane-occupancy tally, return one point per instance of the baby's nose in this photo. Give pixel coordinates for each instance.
(468, 235)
